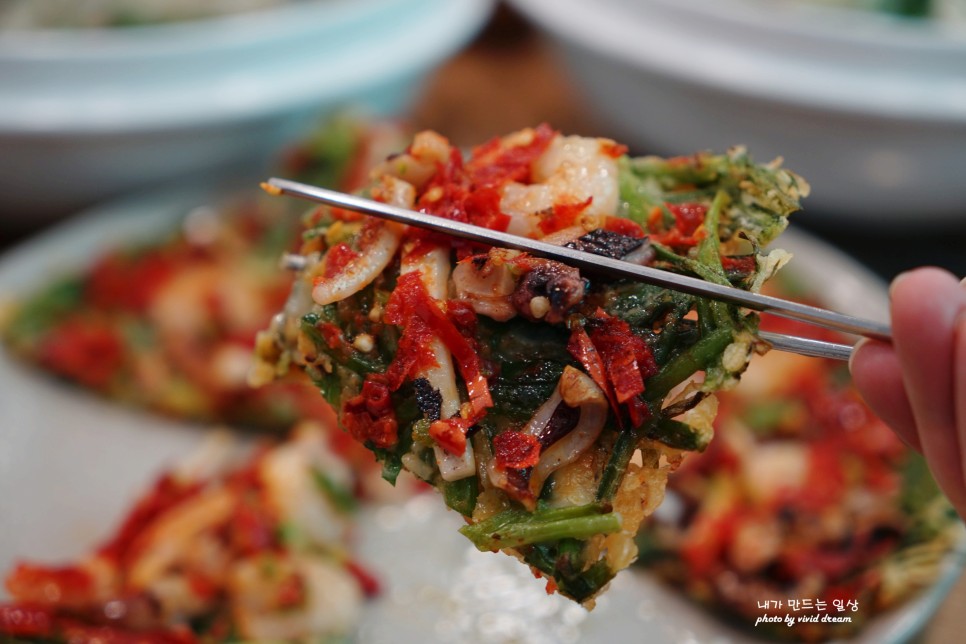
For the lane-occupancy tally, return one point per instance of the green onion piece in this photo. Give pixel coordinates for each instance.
(696, 358)
(421, 433)
(391, 464)
(45, 309)
(709, 254)
(766, 417)
(614, 471)
(461, 495)
(678, 435)
(515, 528)
(564, 561)
(341, 498)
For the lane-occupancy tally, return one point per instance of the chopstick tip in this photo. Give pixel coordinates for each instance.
(271, 188)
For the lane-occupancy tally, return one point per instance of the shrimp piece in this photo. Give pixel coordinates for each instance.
(572, 170)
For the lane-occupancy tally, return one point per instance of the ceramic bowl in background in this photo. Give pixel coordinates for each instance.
(88, 113)
(870, 109)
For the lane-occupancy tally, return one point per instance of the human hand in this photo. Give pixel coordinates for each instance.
(917, 385)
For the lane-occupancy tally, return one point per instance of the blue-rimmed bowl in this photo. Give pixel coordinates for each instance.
(87, 113)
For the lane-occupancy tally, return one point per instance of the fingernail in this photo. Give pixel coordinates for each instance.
(898, 278)
(855, 350)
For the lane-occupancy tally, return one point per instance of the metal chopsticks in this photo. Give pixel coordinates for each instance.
(580, 259)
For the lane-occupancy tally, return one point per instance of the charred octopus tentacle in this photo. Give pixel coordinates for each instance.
(548, 291)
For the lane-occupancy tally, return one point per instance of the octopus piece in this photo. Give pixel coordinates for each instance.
(162, 547)
(377, 247)
(614, 245)
(501, 283)
(564, 427)
(433, 266)
(486, 283)
(548, 291)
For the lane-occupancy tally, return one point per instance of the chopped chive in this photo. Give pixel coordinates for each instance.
(515, 528)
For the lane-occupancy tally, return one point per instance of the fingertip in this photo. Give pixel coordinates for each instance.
(923, 281)
(896, 282)
(878, 378)
(856, 350)
(925, 305)
(866, 353)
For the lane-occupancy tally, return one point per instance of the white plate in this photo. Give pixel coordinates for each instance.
(71, 463)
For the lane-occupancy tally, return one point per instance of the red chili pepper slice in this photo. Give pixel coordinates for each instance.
(369, 416)
(337, 258)
(166, 493)
(368, 582)
(450, 434)
(24, 620)
(86, 350)
(686, 231)
(493, 164)
(410, 300)
(627, 358)
(582, 348)
(514, 450)
(563, 216)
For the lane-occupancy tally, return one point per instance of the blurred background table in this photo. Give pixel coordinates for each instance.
(510, 78)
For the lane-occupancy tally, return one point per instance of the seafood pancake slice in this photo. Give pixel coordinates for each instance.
(546, 405)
